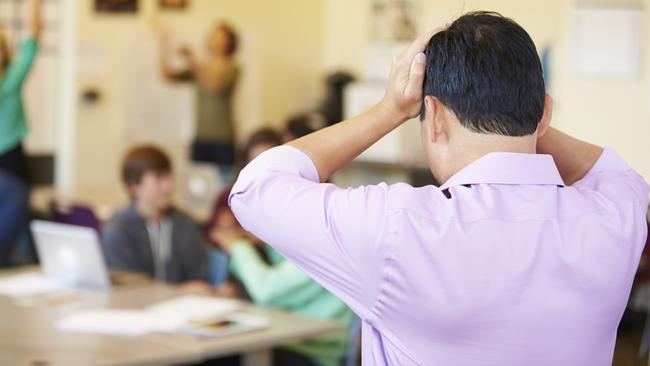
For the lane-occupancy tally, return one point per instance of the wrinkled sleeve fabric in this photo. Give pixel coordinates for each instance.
(334, 235)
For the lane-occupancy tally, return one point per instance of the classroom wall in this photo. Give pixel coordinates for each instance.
(608, 112)
(281, 57)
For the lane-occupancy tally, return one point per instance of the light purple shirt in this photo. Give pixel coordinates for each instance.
(502, 265)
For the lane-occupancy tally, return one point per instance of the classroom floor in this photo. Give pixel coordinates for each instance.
(629, 339)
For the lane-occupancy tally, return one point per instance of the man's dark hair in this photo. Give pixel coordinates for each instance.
(485, 68)
(141, 160)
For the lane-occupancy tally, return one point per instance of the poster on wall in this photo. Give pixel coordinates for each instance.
(116, 6)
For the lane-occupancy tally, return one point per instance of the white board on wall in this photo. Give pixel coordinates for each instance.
(607, 42)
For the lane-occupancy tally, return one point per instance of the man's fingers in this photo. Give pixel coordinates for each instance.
(413, 88)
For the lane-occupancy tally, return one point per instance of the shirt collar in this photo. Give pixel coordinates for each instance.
(508, 168)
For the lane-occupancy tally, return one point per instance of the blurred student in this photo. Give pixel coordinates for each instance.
(150, 236)
(276, 283)
(215, 79)
(14, 188)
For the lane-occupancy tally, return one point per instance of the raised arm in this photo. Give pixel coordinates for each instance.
(35, 19)
(332, 148)
(212, 79)
(18, 70)
(163, 55)
(574, 158)
(166, 70)
(333, 235)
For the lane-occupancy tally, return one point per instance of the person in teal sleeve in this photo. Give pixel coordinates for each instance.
(272, 281)
(14, 188)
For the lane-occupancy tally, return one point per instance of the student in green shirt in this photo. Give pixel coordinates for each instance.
(272, 281)
(14, 189)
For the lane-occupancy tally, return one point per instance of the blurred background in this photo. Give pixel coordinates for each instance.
(97, 88)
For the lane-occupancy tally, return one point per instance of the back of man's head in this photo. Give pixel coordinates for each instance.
(485, 68)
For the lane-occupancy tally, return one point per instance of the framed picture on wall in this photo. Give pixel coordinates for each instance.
(116, 6)
(173, 4)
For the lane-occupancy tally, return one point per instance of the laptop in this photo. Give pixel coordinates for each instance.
(70, 254)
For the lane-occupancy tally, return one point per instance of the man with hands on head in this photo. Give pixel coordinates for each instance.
(524, 255)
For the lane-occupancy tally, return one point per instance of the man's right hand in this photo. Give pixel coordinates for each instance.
(403, 96)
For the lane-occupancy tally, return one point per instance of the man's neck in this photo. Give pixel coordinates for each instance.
(476, 146)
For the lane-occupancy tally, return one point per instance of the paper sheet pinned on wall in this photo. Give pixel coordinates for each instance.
(608, 42)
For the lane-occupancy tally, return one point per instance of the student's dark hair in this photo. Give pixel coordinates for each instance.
(141, 160)
(233, 39)
(305, 123)
(263, 136)
(485, 68)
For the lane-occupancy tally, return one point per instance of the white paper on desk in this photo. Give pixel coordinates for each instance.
(192, 308)
(28, 284)
(166, 316)
(114, 322)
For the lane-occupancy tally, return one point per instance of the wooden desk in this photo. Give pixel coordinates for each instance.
(28, 335)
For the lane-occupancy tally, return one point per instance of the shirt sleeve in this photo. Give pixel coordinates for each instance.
(281, 286)
(332, 234)
(19, 68)
(616, 180)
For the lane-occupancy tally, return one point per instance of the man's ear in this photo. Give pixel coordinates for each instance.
(545, 122)
(434, 118)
